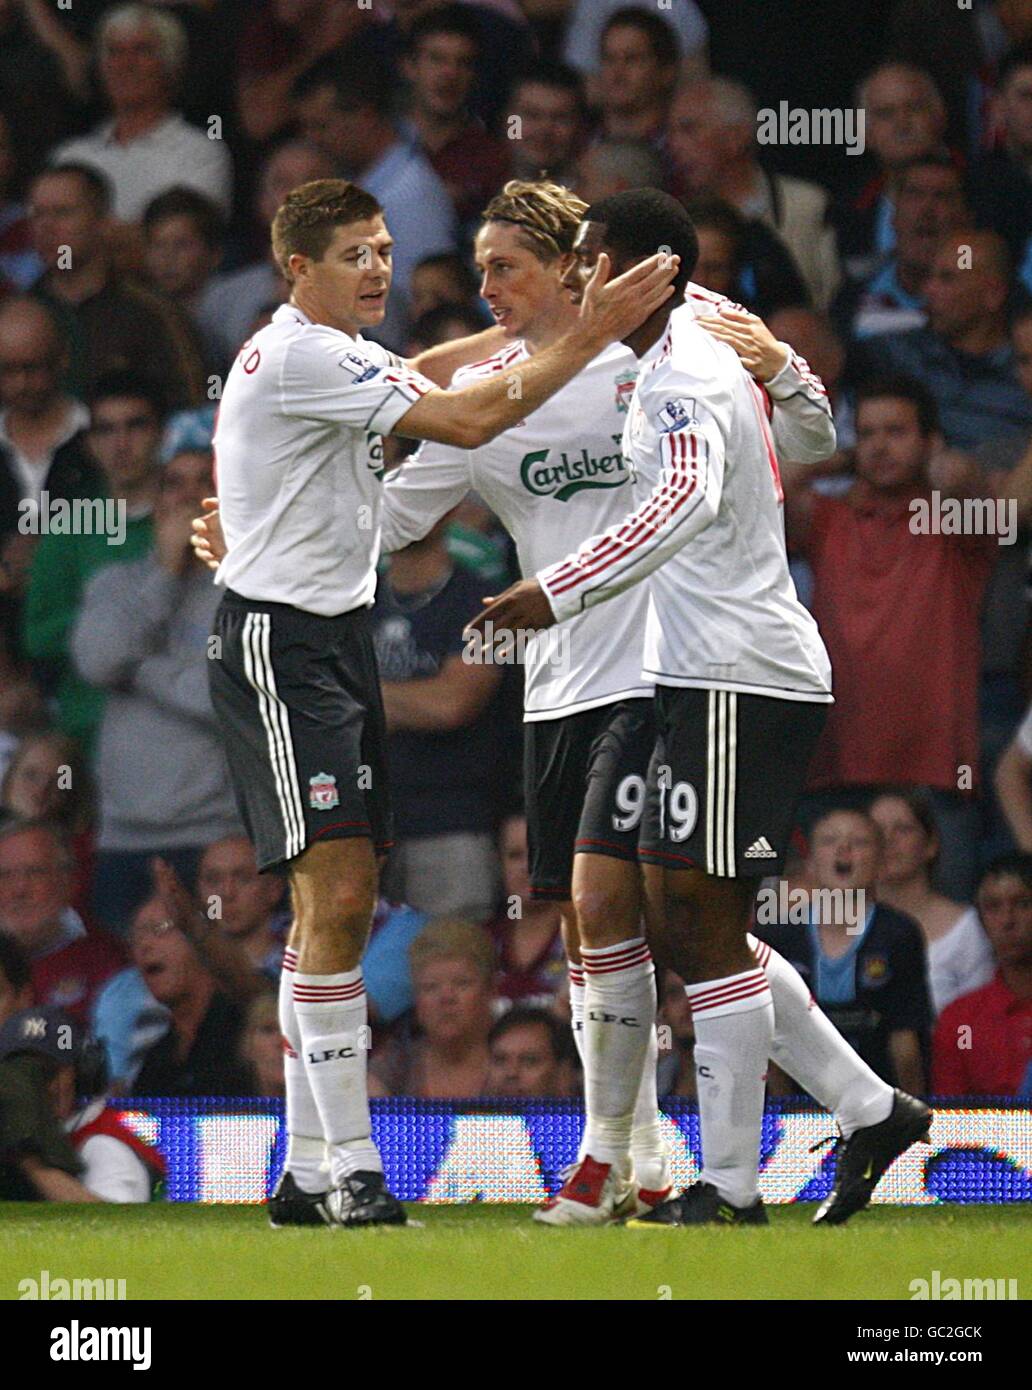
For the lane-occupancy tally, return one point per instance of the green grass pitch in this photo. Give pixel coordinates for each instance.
(497, 1252)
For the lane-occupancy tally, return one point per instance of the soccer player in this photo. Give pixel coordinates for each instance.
(742, 681)
(294, 683)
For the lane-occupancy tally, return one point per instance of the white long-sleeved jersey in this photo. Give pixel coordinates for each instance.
(560, 475)
(708, 531)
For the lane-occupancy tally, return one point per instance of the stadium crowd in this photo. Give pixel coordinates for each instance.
(143, 151)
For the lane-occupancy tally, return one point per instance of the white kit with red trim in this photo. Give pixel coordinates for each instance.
(299, 462)
(707, 534)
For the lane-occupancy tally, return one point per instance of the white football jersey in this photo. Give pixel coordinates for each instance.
(299, 463)
(708, 530)
(556, 476)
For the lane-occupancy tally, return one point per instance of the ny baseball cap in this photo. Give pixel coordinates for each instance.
(45, 1031)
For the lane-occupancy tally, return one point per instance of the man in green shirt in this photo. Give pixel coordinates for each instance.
(126, 419)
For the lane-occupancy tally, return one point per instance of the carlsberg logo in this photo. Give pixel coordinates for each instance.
(570, 473)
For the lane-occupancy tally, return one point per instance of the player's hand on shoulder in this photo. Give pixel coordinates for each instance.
(613, 308)
(524, 606)
(758, 350)
(209, 544)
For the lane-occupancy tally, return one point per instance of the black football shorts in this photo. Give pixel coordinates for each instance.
(725, 778)
(584, 776)
(298, 703)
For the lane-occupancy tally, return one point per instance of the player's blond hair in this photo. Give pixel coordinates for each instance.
(547, 215)
(453, 938)
(305, 221)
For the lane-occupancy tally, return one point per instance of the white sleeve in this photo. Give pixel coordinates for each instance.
(325, 379)
(416, 495)
(113, 1172)
(802, 422)
(683, 408)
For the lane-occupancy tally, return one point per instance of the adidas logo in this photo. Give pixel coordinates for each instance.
(760, 849)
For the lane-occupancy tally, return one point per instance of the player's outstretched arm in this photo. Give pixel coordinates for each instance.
(439, 364)
(611, 309)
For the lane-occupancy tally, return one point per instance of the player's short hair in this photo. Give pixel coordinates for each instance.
(902, 388)
(454, 19)
(95, 185)
(641, 221)
(662, 37)
(1016, 865)
(181, 201)
(305, 222)
(546, 213)
(526, 1016)
(454, 938)
(124, 385)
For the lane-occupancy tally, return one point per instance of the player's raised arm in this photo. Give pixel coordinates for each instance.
(420, 491)
(439, 364)
(611, 310)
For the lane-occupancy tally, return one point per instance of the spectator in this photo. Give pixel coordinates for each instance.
(147, 147)
(963, 356)
(440, 67)
(899, 611)
(79, 1153)
(452, 967)
(959, 956)
(183, 236)
(142, 635)
(614, 166)
(1014, 787)
(109, 324)
(19, 264)
(246, 904)
(1001, 179)
(281, 40)
(47, 779)
(528, 1053)
(745, 256)
(15, 978)
(930, 205)
(868, 973)
(531, 957)
(261, 1047)
(197, 1056)
(340, 109)
(69, 962)
(590, 17)
(675, 1031)
(639, 54)
(712, 140)
(440, 733)
(125, 432)
(42, 430)
(548, 122)
(127, 1020)
(445, 279)
(22, 710)
(983, 1041)
(445, 324)
(905, 119)
(44, 76)
(232, 302)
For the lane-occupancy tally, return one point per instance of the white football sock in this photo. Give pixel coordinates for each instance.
(331, 1014)
(306, 1147)
(734, 1029)
(619, 1017)
(810, 1049)
(577, 1007)
(648, 1151)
